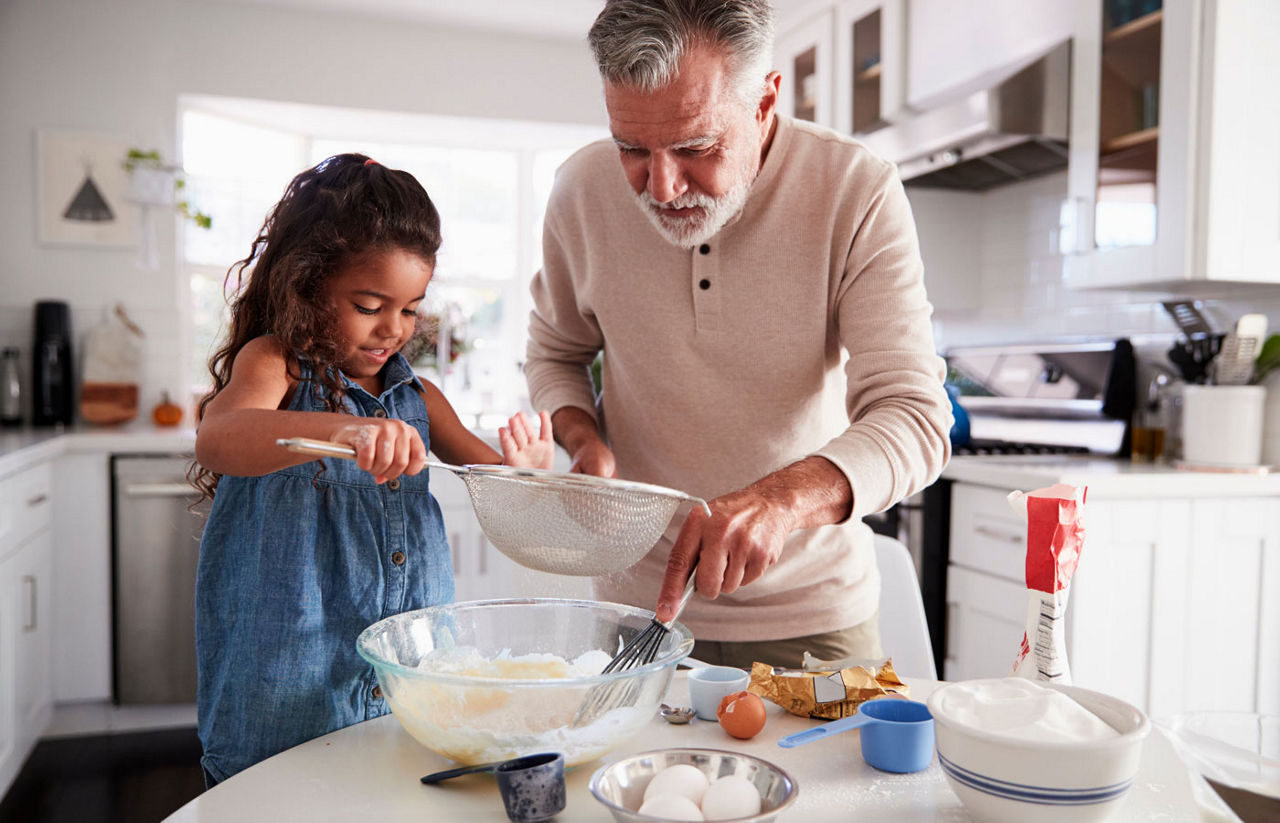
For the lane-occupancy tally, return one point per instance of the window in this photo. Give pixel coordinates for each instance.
(489, 179)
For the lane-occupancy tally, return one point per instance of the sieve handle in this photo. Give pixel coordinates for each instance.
(327, 448)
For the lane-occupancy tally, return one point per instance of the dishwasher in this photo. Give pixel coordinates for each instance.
(155, 544)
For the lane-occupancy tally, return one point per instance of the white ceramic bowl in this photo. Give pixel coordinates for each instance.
(620, 785)
(1004, 780)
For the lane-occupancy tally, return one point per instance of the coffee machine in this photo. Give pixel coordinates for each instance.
(52, 373)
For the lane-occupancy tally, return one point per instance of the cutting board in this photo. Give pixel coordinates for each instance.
(112, 370)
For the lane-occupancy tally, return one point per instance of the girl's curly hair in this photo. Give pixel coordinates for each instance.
(344, 207)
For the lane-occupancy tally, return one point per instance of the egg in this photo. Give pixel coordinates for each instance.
(741, 714)
(671, 807)
(681, 780)
(729, 797)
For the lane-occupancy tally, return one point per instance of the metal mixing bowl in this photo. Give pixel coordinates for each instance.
(421, 662)
(620, 785)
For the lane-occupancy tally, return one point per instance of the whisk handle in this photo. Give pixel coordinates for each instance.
(684, 598)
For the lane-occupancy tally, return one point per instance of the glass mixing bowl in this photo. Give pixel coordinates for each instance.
(488, 680)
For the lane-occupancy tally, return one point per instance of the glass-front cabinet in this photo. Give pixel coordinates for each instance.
(1128, 124)
(1173, 161)
(870, 78)
(803, 56)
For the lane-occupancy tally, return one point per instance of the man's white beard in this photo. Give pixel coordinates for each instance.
(688, 232)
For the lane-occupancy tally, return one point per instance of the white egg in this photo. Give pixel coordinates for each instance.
(681, 779)
(671, 807)
(729, 797)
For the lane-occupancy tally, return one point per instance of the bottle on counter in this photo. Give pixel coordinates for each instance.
(10, 389)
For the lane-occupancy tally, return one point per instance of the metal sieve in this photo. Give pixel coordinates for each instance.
(572, 524)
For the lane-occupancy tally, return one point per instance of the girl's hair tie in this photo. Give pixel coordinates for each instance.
(371, 162)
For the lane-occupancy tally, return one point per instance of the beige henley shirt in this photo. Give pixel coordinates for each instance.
(725, 362)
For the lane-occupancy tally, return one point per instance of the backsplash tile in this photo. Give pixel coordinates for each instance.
(1014, 272)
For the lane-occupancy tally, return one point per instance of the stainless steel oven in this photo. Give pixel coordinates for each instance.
(155, 544)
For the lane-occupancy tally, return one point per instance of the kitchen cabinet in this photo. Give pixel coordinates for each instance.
(1166, 610)
(803, 54)
(870, 64)
(26, 566)
(843, 64)
(957, 48)
(1173, 168)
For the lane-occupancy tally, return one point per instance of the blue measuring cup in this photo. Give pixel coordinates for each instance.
(897, 735)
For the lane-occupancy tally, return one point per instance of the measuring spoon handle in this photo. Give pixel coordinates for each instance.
(825, 730)
(436, 777)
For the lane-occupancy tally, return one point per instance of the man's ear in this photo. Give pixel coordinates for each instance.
(769, 100)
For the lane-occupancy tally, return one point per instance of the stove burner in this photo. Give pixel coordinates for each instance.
(998, 447)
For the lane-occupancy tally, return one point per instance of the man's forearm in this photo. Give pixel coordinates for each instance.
(574, 428)
(814, 490)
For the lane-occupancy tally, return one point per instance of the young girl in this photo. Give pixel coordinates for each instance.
(299, 555)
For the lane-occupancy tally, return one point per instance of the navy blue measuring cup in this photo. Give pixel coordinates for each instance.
(897, 735)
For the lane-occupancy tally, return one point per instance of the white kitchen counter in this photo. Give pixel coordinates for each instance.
(22, 447)
(1107, 477)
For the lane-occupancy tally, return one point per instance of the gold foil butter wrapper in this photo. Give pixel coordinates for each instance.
(825, 695)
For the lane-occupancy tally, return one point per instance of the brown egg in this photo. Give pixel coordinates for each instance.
(741, 714)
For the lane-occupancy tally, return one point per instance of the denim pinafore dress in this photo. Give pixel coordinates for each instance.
(293, 566)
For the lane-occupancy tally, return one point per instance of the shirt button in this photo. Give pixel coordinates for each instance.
(393, 484)
(704, 284)
(379, 413)
(377, 692)
(704, 249)
(397, 558)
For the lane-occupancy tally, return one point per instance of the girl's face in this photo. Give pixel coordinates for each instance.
(375, 301)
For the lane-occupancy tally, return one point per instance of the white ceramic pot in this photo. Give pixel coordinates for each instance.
(1271, 420)
(1222, 425)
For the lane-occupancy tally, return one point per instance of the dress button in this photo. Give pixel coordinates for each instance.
(397, 558)
(379, 413)
(393, 484)
(704, 284)
(377, 692)
(704, 249)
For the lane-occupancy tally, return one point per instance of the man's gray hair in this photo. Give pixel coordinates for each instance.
(639, 43)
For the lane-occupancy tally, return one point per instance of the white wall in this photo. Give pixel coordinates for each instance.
(117, 67)
(1014, 291)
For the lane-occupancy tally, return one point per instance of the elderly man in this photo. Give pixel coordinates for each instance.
(755, 285)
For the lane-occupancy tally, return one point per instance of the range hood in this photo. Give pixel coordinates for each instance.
(1012, 131)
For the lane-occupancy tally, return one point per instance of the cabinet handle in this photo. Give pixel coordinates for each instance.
(30, 624)
(987, 531)
(37, 500)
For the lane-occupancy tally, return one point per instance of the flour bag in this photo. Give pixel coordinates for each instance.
(1055, 536)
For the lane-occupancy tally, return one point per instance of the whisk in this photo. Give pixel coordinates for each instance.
(640, 650)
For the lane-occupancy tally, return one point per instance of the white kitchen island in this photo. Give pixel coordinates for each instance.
(1173, 607)
(370, 771)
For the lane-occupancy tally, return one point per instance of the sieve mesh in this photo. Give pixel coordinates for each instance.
(550, 521)
(572, 529)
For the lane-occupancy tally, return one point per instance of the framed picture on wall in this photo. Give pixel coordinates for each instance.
(81, 190)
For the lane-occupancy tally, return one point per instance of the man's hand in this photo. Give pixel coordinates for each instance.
(745, 533)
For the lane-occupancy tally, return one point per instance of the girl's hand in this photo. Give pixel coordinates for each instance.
(385, 449)
(521, 448)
